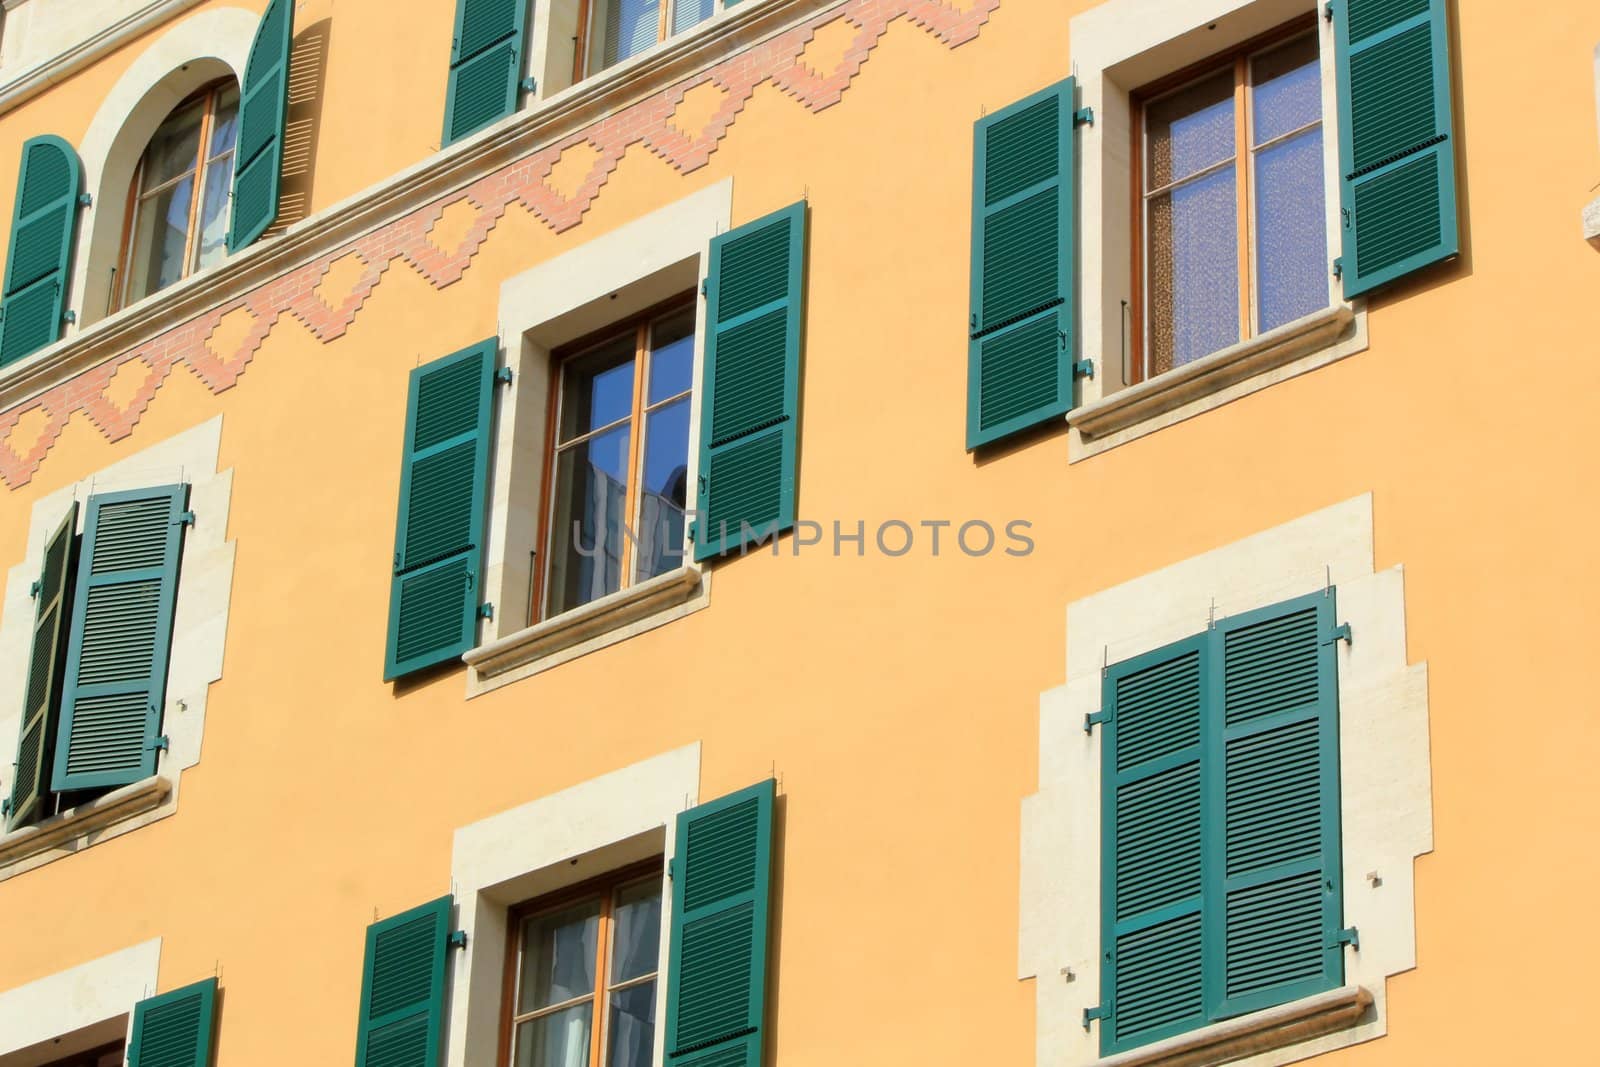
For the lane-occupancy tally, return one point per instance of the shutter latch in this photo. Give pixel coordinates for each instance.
(33, 590)
(69, 315)
(485, 611)
(1327, 11)
(1094, 719)
(705, 288)
(1084, 116)
(160, 744)
(1348, 936)
(1338, 267)
(1099, 1011)
(503, 374)
(458, 939)
(1340, 633)
(1083, 368)
(529, 84)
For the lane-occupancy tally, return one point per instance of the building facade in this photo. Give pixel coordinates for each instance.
(597, 531)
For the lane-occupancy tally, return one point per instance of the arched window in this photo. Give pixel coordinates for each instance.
(178, 203)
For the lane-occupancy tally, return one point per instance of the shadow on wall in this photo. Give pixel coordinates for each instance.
(308, 75)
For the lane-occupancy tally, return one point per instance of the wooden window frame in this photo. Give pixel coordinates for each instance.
(207, 96)
(640, 324)
(1139, 100)
(605, 887)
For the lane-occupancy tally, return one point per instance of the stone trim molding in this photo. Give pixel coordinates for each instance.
(71, 829)
(100, 994)
(1247, 1035)
(735, 52)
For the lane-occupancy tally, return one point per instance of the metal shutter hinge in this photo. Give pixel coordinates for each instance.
(1341, 633)
(1327, 12)
(5, 806)
(485, 611)
(34, 589)
(1084, 116)
(1083, 368)
(1338, 267)
(161, 743)
(503, 374)
(458, 939)
(694, 528)
(1348, 936)
(529, 84)
(69, 316)
(85, 200)
(186, 519)
(705, 288)
(1099, 1011)
(1094, 719)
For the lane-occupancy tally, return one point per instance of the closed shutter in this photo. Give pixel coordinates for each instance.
(402, 988)
(721, 890)
(1153, 841)
(175, 1029)
(1396, 139)
(1022, 330)
(433, 599)
(116, 676)
(263, 103)
(42, 699)
(1280, 883)
(43, 226)
(750, 416)
(485, 65)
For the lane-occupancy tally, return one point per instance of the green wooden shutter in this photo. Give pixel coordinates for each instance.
(44, 223)
(1396, 139)
(402, 988)
(263, 105)
(433, 599)
(721, 889)
(755, 305)
(1153, 841)
(1024, 202)
(1278, 873)
(175, 1029)
(116, 676)
(485, 65)
(42, 700)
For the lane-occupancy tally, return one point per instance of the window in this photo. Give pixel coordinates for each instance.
(583, 969)
(620, 458)
(178, 203)
(104, 1056)
(1231, 205)
(615, 30)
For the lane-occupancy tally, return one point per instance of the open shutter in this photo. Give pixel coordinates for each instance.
(42, 700)
(1153, 840)
(721, 888)
(1024, 199)
(121, 635)
(750, 417)
(402, 988)
(43, 225)
(263, 103)
(433, 599)
(485, 65)
(1396, 139)
(174, 1029)
(1280, 749)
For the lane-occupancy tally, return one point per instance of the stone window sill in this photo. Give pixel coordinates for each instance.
(1591, 223)
(1248, 1035)
(595, 625)
(1215, 379)
(72, 828)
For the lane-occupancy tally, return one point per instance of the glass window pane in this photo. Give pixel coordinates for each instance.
(175, 148)
(1190, 130)
(665, 490)
(212, 242)
(687, 13)
(630, 26)
(671, 356)
(560, 1039)
(558, 956)
(632, 1026)
(597, 387)
(1291, 230)
(225, 124)
(638, 931)
(1193, 256)
(159, 235)
(589, 520)
(1286, 89)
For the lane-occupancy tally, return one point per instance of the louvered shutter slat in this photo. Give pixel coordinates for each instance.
(749, 428)
(1396, 140)
(1022, 328)
(433, 606)
(721, 890)
(263, 110)
(485, 65)
(175, 1029)
(121, 636)
(44, 226)
(402, 988)
(41, 703)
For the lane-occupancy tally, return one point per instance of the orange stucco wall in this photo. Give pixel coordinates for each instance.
(897, 698)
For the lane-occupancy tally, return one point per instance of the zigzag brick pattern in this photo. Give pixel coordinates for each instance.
(779, 60)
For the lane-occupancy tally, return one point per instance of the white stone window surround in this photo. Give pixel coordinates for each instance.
(77, 1009)
(205, 579)
(543, 846)
(1117, 48)
(604, 280)
(1386, 816)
